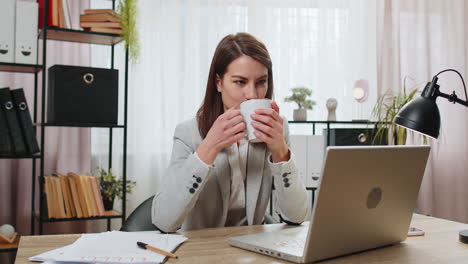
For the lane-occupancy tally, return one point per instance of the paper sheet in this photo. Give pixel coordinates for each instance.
(113, 247)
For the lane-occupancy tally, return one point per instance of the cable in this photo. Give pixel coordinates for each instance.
(461, 77)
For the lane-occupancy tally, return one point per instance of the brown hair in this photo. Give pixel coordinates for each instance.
(230, 48)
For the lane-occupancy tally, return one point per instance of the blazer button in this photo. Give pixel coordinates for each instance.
(285, 180)
(192, 190)
(286, 174)
(198, 179)
(286, 185)
(195, 185)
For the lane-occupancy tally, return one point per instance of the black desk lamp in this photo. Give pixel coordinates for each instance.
(422, 115)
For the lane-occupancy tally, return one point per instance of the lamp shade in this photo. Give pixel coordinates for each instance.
(420, 114)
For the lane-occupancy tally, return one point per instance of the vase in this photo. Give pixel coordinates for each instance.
(300, 114)
(108, 203)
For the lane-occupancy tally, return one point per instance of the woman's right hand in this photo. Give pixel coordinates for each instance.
(227, 129)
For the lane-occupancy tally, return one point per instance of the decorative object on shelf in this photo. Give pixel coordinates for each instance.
(384, 112)
(332, 103)
(299, 96)
(112, 187)
(7, 234)
(82, 95)
(361, 90)
(422, 115)
(128, 13)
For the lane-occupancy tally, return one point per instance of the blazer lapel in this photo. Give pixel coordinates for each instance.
(223, 174)
(255, 165)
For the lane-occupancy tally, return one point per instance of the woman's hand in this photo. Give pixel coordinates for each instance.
(227, 129)
(269, 124)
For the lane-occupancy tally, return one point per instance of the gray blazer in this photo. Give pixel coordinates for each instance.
(193, 195)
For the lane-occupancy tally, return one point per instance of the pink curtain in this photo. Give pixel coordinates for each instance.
(418, 39)
(66, 149)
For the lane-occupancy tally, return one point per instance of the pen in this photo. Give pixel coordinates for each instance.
(157, 250)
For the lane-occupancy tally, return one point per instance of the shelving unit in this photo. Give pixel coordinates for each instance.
(23, 69)
(84, 37)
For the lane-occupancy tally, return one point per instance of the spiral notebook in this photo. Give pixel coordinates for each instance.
(113, 247)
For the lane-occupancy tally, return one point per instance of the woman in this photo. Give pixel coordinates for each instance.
(215, 177)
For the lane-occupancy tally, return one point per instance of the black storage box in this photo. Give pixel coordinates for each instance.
(353, 136)
(82, 96)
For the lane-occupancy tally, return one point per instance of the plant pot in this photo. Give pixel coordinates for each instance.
(300, 114)
(108, 203)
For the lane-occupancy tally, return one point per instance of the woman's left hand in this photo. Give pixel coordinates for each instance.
(269, 124)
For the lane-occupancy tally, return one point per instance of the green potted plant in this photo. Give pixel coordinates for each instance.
(128, 13)
(112, 187)
(300, 97)
(384, 112)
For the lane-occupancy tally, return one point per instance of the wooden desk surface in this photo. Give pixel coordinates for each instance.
(439, 245)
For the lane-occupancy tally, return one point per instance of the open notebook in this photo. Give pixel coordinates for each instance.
(113, 247)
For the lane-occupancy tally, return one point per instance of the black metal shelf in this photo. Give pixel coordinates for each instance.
(84, 125)
(334, 122)
(109, 215)
(20, 67)
(80, 36)
(25, 156)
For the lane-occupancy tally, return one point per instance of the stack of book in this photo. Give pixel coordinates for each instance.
(73, 196)
(101, 20)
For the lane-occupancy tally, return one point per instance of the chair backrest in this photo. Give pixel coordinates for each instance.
(140, 218)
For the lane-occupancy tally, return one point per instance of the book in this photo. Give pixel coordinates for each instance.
(66, 13)
(97, 195)
(94, 11)
(75, 197)
(99, 17)
(49, 197)
(100, 25)
(93, 202)
(87, 199)
(81, 196)
(107, 30)
(59, 196)
(69, 206)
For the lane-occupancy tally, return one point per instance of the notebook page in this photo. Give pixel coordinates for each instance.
(114, 247)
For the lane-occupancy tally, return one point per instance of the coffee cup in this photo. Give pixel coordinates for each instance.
(246, 109)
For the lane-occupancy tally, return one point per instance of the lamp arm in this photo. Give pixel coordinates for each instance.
(453, 94)
(452, 98)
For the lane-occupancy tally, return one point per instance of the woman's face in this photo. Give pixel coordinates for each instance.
(244, 79)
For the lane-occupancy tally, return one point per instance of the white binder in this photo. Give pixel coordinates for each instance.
(7, 31)
(309, 152)
(26, 32)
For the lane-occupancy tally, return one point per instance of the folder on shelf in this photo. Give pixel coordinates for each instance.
(26, 32)
(12, 121)
(6, 146)
(25, 121)
(7, 31)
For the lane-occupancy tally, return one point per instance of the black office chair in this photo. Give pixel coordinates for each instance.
(140, 218)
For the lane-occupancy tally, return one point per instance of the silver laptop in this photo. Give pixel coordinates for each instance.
(365, 200)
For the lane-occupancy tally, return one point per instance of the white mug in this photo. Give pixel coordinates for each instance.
(246, 109)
